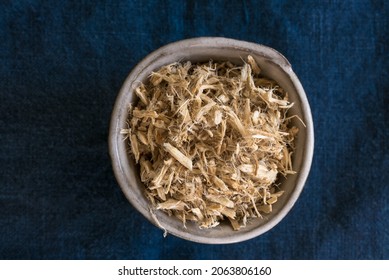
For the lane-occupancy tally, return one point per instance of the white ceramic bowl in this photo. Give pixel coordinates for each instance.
(273, 65)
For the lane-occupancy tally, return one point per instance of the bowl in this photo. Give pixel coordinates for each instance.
(273, 65)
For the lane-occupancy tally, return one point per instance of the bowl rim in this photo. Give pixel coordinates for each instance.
(262, 50)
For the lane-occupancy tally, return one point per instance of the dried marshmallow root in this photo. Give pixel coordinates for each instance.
(180, 157)
(211, 140)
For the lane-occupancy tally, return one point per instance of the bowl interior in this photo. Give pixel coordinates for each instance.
(274, 66)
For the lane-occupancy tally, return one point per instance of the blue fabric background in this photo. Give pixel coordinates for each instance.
(62, 64)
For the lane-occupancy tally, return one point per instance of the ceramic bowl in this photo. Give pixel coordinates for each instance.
(273, 65)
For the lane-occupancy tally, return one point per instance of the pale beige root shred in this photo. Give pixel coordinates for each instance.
(271, 200)
(211, 140)
(147, 171)
(142, 137)
(144, 113)
(172, 204)
(180, 157)
(254, 206)
(220, 184)
(135, 147)
(223, 127)
(247, 113)
(218, 117)
(235, 224)
(156, 182)
(266, 208)
(204, 110)
(126, 132)
(228, 212)
(160, 193)
(235, 122)
(254, 65)
(198, 213)
(142, 94)
(221, 200)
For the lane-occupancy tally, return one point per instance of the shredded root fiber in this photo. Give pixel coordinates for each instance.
(211, 140)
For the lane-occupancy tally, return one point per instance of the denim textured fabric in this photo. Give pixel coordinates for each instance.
(62, 64)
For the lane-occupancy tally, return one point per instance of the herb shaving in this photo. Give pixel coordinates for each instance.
(211, 139)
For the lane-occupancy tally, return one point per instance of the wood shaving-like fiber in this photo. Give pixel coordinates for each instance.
(211, 139)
